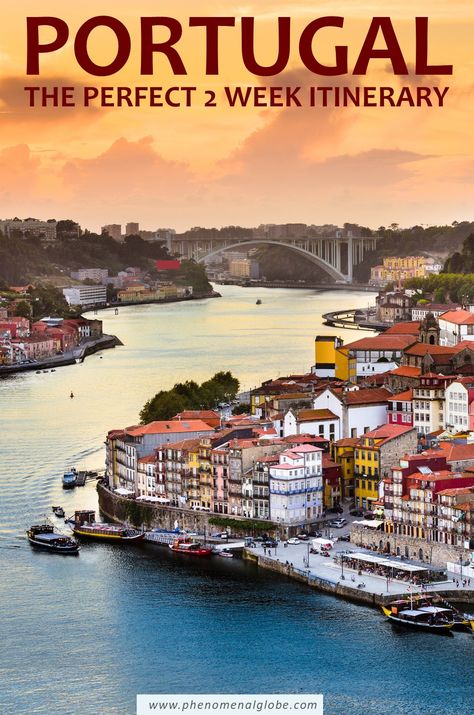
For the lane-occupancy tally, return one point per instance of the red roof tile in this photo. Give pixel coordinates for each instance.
(169, 427)
(367, 396)
(382, 342)
(406, 371)
(408, 328)
(458, 317)
(405, 396)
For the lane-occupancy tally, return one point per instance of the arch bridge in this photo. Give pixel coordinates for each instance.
(336, 255)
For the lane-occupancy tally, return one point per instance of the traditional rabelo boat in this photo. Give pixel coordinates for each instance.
(188, 547)
(86, 527)
(424, 618)
(436, 605)
(43, 536)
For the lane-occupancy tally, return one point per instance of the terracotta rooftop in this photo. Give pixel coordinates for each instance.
(409, 328)
(367, 396)
(405, 396)
(458, 317)
(347, 442)
(169, 427)
(457, 491)
(406, 371)
(382, 342)
(316, 415)
(385, 433)
(421, 349)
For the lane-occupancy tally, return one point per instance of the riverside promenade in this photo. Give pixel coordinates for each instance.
(85, 348)
(325, 574)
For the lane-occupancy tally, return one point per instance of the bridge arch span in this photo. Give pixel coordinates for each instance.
(327, 267)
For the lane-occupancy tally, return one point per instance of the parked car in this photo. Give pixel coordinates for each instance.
(338, 523)
(303, 537)
(294, 540)
(356, 512)
(345, 537)
(270, 543)
(317, 534)
(335, 510)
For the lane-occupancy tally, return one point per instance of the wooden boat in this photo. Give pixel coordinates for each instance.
(258, 302)
(86, 527)
(419, 619)
(434, 604)
(43, 536)
(58, 511)
(189, 548)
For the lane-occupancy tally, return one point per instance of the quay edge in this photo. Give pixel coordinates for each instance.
(127, 511)
(336, 588)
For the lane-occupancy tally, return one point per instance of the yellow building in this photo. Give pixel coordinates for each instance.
(374, 455)
(346, 365)
(342, 453)
(332, 359)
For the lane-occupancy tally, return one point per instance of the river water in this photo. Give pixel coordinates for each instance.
(83, 635)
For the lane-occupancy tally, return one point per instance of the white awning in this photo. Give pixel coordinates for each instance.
(398, 566)
(124, 492)
(371, 523)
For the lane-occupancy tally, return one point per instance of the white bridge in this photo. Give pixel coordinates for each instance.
(337, 255)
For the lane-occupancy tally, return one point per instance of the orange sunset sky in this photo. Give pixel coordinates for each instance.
(217, 166)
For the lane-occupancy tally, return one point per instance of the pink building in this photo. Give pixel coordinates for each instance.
(36, 347)
(400, 409)
(220, 475)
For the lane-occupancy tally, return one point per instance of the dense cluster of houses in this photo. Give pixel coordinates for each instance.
(22, 341)
(395, 441)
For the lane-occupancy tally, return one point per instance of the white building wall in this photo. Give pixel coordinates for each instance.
(456, 407)
(363, 418)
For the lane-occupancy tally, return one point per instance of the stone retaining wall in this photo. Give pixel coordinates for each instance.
(430, 552)
(154, 516)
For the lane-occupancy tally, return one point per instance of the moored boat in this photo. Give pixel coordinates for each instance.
(225, 553)
(70, 479)
(422, 619)
(58, 511)
(189, 548)
(86, 527)
(43, 536)
(435, 604)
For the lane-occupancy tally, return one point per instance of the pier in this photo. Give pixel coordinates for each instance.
(355, 320)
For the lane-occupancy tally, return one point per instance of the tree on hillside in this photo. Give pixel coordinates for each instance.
(190, 396)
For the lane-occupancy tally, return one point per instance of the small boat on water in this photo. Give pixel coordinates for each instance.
(258, 302)
(424, 619)
(86, 527)
(70, 479)
(436, 605)
(58, 511)
(189, 548)
(43, 536)
(225, 553)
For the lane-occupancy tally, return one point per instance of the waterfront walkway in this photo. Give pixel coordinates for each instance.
(297, 562)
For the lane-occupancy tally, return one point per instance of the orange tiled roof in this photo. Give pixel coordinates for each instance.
(405, 396)
(411, 327)
(458, 317)
(169, 427)
(367, 396)
(406, 371)
(382, 342)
